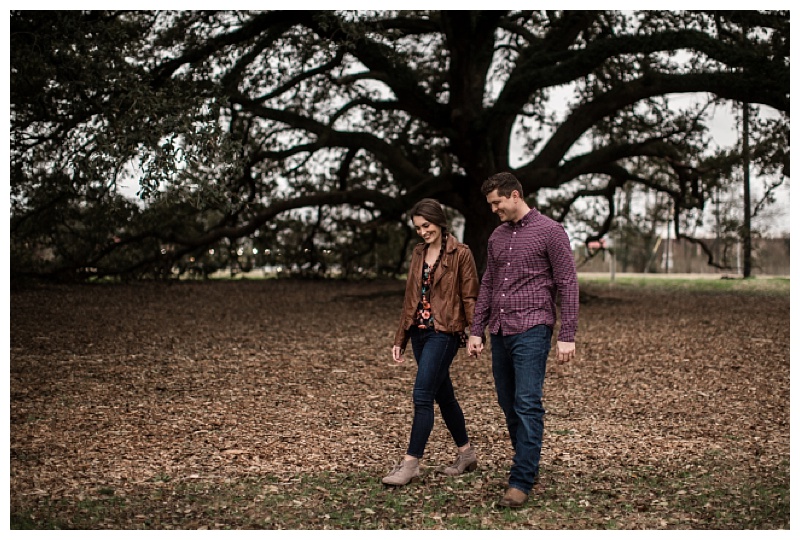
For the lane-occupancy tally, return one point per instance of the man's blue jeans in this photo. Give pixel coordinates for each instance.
(434, 353)
(518, 364)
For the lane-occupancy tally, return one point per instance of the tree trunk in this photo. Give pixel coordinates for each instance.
(480, 223)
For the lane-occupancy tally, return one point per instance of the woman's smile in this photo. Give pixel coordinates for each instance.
(426, 230)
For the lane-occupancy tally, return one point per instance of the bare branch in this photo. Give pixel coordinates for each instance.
(351, 197)
(706, 249)
(767, 197)
(389, 155)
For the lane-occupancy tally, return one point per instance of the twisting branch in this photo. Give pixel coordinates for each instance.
(352, 197)
(707, 250)
(297, 79)
(389, 155)
(767, 198)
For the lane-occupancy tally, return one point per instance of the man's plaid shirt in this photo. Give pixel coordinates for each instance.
(528, 263)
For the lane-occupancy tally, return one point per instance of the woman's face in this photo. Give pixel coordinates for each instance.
(427, 230)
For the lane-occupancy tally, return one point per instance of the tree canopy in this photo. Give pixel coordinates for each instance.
(232, 122)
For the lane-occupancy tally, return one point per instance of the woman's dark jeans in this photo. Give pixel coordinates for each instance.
(434, 352)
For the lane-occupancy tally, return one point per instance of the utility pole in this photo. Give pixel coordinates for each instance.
(746, 231)
(668, 246)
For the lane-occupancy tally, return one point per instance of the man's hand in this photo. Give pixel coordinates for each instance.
(565, 351)
(475, 346)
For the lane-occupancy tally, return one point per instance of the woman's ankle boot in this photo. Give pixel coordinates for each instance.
(406, 471)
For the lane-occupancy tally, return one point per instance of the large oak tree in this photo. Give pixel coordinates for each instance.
(232, 119)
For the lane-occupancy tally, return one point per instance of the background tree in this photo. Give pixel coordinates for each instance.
(229, 120)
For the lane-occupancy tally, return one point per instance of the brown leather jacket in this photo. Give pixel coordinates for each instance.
(453, 293)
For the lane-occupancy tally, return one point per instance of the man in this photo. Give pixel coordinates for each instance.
(529, 261)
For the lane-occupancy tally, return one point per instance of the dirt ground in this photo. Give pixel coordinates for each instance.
(115, 386)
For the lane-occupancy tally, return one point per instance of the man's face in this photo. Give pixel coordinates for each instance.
(506, 208)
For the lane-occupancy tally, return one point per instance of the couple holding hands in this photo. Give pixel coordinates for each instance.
(529, 261)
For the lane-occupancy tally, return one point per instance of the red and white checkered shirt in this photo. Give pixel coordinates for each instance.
(528, 263)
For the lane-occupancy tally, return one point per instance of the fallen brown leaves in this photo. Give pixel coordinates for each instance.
(117, 388)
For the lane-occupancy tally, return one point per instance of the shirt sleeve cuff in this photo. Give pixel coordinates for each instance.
(567, 335)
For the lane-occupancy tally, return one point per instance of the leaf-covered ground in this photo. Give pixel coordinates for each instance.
(275, 404)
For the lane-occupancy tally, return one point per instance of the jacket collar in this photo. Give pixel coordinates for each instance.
(452, 243)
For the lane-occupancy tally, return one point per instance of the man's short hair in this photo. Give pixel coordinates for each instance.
(504, 183)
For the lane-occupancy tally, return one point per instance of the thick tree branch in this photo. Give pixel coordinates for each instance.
(379, 58)
(271, 22)
(583, 118)
(353, 197)
(540, 67)
(566, 29)
(399, 27)
(389, 155)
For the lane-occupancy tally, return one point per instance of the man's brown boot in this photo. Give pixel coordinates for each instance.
(513, 498)
(406, 471)
(465, 461)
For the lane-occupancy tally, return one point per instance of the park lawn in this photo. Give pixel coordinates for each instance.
(274, 404)
(696, 283)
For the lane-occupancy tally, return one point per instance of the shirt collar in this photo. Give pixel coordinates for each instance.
(527, 219)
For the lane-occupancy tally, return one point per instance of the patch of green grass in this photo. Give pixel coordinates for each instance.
(25, 522)
(761, 285)
(710, 496)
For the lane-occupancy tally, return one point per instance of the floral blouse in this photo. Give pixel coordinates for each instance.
(424, 318)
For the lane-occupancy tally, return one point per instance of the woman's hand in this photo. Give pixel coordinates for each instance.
(397, 354)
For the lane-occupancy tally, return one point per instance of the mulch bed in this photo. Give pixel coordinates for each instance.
(117, 385)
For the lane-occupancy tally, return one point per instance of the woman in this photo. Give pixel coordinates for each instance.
(441, 292)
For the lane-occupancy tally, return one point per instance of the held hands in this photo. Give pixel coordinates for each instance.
(475, 346)
(565, 350)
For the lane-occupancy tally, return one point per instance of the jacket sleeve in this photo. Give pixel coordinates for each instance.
(469, 283)
(401, 335)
